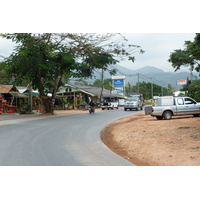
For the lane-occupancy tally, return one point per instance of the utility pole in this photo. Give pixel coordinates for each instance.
(30, 96)
(102, 83)
(151, 88)
(138, 83)
(191, 75)
(162, 88)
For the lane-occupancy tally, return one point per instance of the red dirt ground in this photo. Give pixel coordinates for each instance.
(146, 141)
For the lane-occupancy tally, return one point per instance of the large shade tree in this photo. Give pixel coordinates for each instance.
(48, 60)
(189, 57)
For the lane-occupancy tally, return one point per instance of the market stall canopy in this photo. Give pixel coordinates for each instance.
(33, 94)
(18, 95)
(8, 89)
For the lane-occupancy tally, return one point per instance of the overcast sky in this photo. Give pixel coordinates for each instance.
(158, 27)
(157, 47)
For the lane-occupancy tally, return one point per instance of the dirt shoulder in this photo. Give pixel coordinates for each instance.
(17, 118)
(146, 141)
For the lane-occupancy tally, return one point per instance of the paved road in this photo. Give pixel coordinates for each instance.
(70, 140)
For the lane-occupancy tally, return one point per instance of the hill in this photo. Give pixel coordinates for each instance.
(147, 74)
(151, 74)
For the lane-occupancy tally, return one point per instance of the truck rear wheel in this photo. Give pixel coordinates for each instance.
(159, 117)
(167, 115)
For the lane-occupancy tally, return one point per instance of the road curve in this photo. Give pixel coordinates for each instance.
(69, 140)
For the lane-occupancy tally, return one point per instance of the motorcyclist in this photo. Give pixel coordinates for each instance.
(92, 104)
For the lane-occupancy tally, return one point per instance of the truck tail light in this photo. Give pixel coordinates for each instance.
(152, 110)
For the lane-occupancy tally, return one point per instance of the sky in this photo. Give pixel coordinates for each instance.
(159, 27)
(157, 47)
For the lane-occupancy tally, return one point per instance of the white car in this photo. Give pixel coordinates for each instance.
(109, 105)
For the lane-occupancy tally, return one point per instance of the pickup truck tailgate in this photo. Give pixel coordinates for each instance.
(148, 110)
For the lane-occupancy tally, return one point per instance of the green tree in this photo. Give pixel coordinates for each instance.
(146, 90)
(48, 60)
(189, 57)
(4, 78)
(107, 83)
(97, 83)
(169, 90)
(194, 90)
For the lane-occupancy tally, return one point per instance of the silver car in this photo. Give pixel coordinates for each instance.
(133, 103)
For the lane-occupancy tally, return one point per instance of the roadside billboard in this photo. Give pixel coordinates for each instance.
(181, 82)
(118, 84)
(119, 90)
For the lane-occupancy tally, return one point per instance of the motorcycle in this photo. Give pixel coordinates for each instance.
(91, 109)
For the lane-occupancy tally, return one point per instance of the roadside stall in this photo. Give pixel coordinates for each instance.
(11, 99)
(1, 106)
(8, 99)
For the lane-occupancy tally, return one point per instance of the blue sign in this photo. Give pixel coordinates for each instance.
(119, 82)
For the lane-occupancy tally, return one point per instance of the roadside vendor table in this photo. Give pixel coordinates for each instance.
(11, 109)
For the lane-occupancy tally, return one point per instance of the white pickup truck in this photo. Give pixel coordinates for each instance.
(109, 103)
(169, 106)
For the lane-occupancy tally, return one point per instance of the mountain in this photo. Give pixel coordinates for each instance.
(149, 69)
(155, 75)
(147, 74)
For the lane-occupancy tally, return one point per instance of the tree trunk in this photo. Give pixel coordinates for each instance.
(55, 89)
(45, 99)
(47, 104)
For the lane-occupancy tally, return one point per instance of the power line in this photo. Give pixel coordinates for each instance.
(139, 74)
(153, 80)
(2, 56)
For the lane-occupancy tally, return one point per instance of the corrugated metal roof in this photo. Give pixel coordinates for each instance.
(93, 91)
(22, 89)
